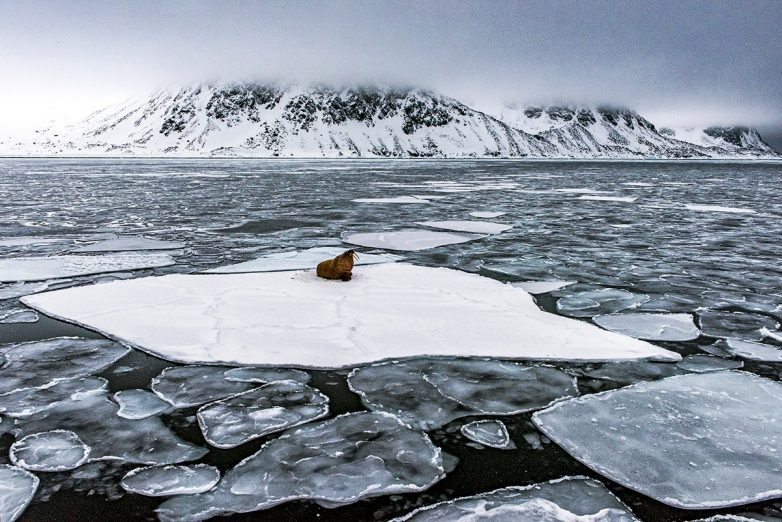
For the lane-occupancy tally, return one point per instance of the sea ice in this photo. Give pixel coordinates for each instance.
(473, 227)
(17, 488)
(162, 481)
(765, 332)
(139, 404)
(580, 191)
(492, 433)
(41, 268)
(407, 240)
(264, 375)
(754, 351)
(273, 407)
(187, 386)
(601, 301)
(130, 243)
(28, 241)
(618, 199)
(398, 199)
(651, 327)
(57, 450)
(340, 460)
(298, 260)
(695, 441)
(630, 372)
(486, 214)
(569, 499)
(387, 310)
(707, 363)
(429, 393)
(717, 208)
(19, 315)
(20, 289)
(725, 325)
(541, 287)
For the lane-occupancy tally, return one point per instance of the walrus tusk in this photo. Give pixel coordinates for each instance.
(341, 267)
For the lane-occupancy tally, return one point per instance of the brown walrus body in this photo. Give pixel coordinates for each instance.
(341, 267)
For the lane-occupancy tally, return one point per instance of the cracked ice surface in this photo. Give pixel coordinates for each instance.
(273, 407)
(601, 301)
(754, 351)
(17, 488)
(161, 481)
(298, 260)
(707, 363)
(187, 386)
(749, 327)
(264, 375)
(429, 393)
(569, 499)
(57, 450)
(697, 441)
(651, 327)
(42, 268)
(124, 244)
(474, 227)
(541, 287)
(387, 310)
(492, 433)
(139, 404)
(341, 460)
(407, 240)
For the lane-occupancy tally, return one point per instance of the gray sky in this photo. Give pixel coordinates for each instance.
(680, 63)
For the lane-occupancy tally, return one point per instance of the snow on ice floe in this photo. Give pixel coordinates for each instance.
(124, 244)
(725, 324)
(651, 327)
(601, 301)
(188, 386)
(298, 260)
(541, 287)
(473, 227)
(569, 499)
(486, 214)
(429, 393)
(718, 208)
(271, 408)
(340, 460)
(492, 433)
(753, 351)
(56, 450)
(696, 441)
(386, 311)
(399, 199)
(17, 488)
(18, 315)
(618, 199)
(163, 481)
(700, 363)
(42, 268)
(139, 404)
(407, 240)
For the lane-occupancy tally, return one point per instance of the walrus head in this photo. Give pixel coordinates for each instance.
(345, 260)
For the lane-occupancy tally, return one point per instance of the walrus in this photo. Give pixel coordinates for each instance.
(341, 267)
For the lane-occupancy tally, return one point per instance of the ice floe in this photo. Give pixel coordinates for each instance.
(17, 488)
(486, 214)
(28, 241)
(139, 404)
(601, 301)
(21, 289)
(264, 375)
(765, 332)
(700, 363)
(341, 460)
(19, 315)
(387, 310)
(724, 324)
(399, 199)
(125, 244)
(718, 208)
(541, 287)
(271, 408)
(407, 240)
(429, 393)
(696, 441)
(56, 450)
(42, 268)
(618, 199)
(754, 351)
(473, 227)
(629, 372)
(187, 386)
(298, 260)
(163, 481)
(651, 327)
(492, 433)
(569, 499)
(580, 191)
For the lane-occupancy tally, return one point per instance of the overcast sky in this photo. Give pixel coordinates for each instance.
(678, 63)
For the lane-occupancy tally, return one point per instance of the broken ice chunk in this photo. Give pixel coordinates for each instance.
(28, 241)
(474, 227)
(42, 268)
(601, 301)
(265, 375)
(718, 208)
(492, 433)
(397, 199)
(21, 289)
(631, 372)
(682, 440)
(125, 244)
(618, 199)
(723, 324)
(162, 481)
(569, 499)
(754, 351)
(341, 460)
(56, 450)
(19, 315)
(139, 404)
(541, 287)
(407, 240)
(651, 327)
(17, 488)
(486, 214)
(707, 363)
(298, 260)
(273, 407)
(187, 386)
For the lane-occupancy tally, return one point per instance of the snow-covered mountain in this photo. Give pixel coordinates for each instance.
(272, 120)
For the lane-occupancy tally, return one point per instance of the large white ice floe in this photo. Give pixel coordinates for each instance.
(473, 227)
(697, 441)
(17, 488)
(163, 481)
(42, 268)
(718, 208)
(298, 260)
(490, 432)
(124, 244)
(753, 351)
(297, 319)
(569, 499)
(56, 450)
(429, 393)
(398, 199)
(407, 240)
(139, 404)
(651, 327)
(271, 408)
(341, 460)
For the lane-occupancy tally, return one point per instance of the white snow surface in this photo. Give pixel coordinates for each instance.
(298, 260)
(651, 327)
(474, 227)
(17, 488)
(718, 208)
(42, 268)
(123, 244)
(407, 240)
(296, 319)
